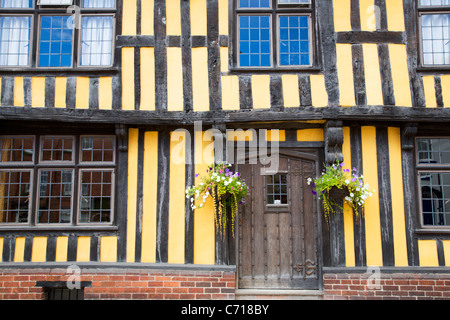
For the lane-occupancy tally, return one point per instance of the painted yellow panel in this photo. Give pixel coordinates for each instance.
(129, 15)
(174, 80)
(367, 15)
(105, 93)
(445, 83)
(428, 256)
(147, 79)
(19, 100)
(275, 135)
(19, 250)
(1, 244)
(82, 96)
(133, 138)
(200, 86)
(150, 183)
(39, 251)
(38, 92)
(446, 244)
(173, 18)
(400, 75)
(230, 92)
(204, 233)
(319, 94)
(291, 96)
(371, 207)
(62, 244)
(374, 92)
(224, 59)
(108, 249)
(430, 92)
(342, 9)
(60, 92)
(223, 17)
(395, 15)
(177, 197)
(198, 17)
(128, 78)
(398, 210)
(84, 248)
(310, 135)
(261, 91)
(345, 74)
(348, 211)
(147, 17)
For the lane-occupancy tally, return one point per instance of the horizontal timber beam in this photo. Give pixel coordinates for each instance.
(372, 113)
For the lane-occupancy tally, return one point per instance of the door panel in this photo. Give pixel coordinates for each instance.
(278, 241)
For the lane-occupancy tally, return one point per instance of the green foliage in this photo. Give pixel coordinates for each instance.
(335, 176)
(226, 188)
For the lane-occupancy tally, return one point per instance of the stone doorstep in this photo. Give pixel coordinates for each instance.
(274, 294)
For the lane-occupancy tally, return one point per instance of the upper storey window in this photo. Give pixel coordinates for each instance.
(274, 33)
(56, 33)
(435, 32)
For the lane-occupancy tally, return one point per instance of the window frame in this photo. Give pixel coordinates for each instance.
(428, 10)
(428, 168)
(274, 12)
(76, 166)
(275, 207)
(60, 10)
(31, 40)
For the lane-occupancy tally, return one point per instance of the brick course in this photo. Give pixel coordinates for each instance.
(393, 286)
(123, 284)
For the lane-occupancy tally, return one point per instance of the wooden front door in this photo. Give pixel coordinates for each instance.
(277, 231)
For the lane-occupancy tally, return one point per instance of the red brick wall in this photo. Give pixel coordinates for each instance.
(123, 283)
(389, 286)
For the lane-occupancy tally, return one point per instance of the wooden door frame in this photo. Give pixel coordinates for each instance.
(297, 153)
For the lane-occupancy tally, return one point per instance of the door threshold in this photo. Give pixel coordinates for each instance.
(280, 294)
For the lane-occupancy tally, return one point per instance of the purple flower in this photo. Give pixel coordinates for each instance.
(354, 169)
(227, 170)
(196, 175)
(342, 164)
(313, 192)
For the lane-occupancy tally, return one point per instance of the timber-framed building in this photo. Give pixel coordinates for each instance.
(109, 109)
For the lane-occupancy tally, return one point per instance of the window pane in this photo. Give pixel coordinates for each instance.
(14, 196)
(55, 196)
(276, 189)
(427, 3)
(294, 1)
(57, 149)
(254, 39)
(96, 195)
(16, 149)
(294, 42)
(435, 192)
(14, 40)
(97, 149)
(55, 42)
(55, 2)
(16, 4)
(254, 3)
(433, 150)
(98, 4)
(435, 39)
(96, 40)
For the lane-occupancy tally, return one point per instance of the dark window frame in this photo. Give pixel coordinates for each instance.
(428, 168)
(421, 11)
(62, 10)
(275, 11)
(77, 166)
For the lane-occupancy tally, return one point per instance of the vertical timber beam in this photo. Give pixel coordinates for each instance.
(334, 138)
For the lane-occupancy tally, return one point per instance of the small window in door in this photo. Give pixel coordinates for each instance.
(276, 186)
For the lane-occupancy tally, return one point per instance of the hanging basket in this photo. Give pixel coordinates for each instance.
(336, 193)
